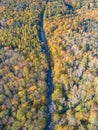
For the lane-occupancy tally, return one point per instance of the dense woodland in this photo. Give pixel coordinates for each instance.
(71, 28)
(23, 67)
(72, 36)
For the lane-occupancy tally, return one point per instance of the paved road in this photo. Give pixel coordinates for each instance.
(49, 73)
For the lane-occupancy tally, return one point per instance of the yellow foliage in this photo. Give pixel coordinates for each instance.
(24, 105)
(79, 115)
(90, 90)
(13, 101)
(36, 102)
(43, 99)
(64, 128)
(2, 8)
(59, 128)
(33, 88)
(21, 93)
(9, 21)
(57, 94)
(93, 117)
(55, 117)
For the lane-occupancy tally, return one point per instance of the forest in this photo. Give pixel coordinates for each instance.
(65, 61)
(23, 67)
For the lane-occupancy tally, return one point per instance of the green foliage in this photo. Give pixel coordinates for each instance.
(16, 125)
(3, 113)
(56, 8)
(21, 115)
(1, 98)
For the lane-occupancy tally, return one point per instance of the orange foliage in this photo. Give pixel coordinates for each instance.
(33, 88)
